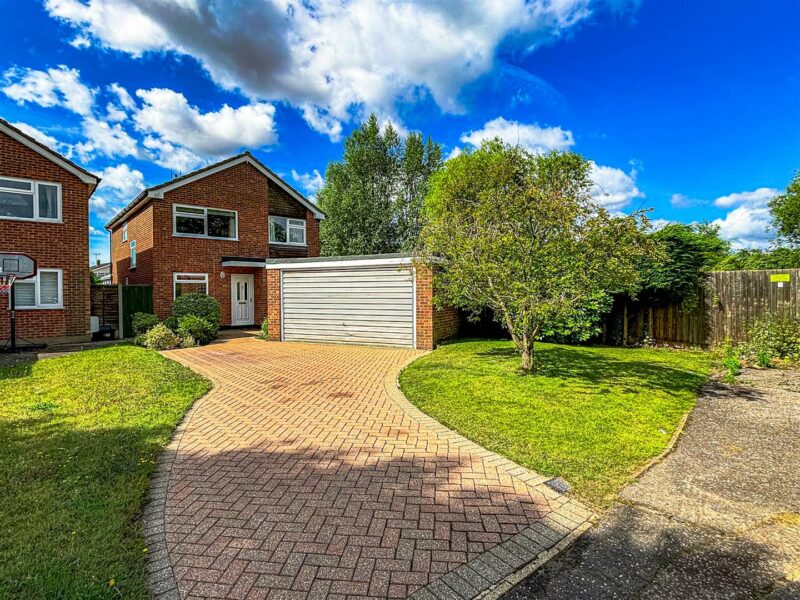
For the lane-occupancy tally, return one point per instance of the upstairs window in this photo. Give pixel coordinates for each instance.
(124, 232)
(283, 230)
(42, 291)
(133, 254)
(29, 200)
(198, 221)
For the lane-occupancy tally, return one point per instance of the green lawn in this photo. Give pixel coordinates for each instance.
(79, 436)
(592, 415)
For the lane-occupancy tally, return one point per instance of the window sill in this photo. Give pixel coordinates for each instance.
(204, 237)
(54, 307)
(31, 220)
(289, 244)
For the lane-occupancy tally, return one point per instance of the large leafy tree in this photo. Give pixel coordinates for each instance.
(373, 196)
(519, 234)
(688, 253)
(785, 209)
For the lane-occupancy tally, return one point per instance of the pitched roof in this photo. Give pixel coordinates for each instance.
(50, 154)
(158, 191)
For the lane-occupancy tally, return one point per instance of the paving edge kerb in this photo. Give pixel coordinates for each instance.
(158, 569)
(499, 569)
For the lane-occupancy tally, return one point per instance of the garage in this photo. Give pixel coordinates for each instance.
(357, 302)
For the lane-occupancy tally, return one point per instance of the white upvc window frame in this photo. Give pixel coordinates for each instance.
(290, 223)
(134, 255)
(125, 231)
(204, 235)
(37, 291)
(176, 280)
(35, 191)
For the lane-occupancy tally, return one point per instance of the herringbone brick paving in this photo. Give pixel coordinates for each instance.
(300, 476)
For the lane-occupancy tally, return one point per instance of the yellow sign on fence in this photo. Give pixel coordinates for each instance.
(779, 277)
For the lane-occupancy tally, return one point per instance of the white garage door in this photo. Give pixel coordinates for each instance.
(358, 306)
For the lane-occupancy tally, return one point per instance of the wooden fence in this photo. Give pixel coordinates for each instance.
(725, 308)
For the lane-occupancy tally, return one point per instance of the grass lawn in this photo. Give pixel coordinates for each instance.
(79, 436)
(592, 415)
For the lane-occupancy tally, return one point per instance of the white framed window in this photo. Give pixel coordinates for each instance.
(133, 254)
(43, 291)
(28, 200)
(124, 232)
(199, 221)
(189, 283)
(283, 230)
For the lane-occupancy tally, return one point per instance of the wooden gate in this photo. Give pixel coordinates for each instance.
(135, 298)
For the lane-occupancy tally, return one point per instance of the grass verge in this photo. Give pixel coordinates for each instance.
(79, 437)
(593, 415)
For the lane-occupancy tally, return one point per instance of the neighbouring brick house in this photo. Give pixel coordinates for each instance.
(211, 231)
(44, 212)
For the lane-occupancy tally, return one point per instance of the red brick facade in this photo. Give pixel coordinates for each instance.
(63, 245)
(161, 254)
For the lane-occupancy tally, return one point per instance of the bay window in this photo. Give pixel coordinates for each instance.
(284, 230)
(29, 200)
(199, 221)
(42, 291)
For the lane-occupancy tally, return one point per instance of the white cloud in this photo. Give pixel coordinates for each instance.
(531, 136)
(114, 113)
(746, 227)
(97, 232)
(332, 59)
(657, 224)
(105, 139)
(103, 207)
(80, 41)
(614, 188)
(171, 156)
(44, 138)
(311, 183)
(758, 197)
(123, 180)
(683, 201)
(169, 116)
(123, 97)
(55, 87)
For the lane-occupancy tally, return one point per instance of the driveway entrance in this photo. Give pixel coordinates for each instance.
(304, 473)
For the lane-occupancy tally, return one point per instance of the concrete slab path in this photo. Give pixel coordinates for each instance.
(305, 473)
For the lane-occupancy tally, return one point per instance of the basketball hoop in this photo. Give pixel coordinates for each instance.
(6, 281)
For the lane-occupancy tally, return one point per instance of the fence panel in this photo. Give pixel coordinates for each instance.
(135, 298)
(725, 309)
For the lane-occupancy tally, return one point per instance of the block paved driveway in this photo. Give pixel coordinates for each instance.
(305, 474)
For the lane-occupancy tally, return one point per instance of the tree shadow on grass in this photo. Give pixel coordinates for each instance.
(592, 368)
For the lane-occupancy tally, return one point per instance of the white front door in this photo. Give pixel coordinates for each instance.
(241, 300)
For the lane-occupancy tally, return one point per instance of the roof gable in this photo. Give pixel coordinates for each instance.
(158, 191)
(51, 155)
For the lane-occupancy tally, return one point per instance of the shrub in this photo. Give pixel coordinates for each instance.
(159, 338)
(143, 322)
(773, 336)
(198, 328)
(199, 305)
(172, 323)
(187, 341)
(264, 329)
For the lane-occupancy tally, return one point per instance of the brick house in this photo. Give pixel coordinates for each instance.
(44, 212)
(237, 231)
(211, 231)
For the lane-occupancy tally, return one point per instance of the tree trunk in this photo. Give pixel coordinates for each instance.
(526, 352)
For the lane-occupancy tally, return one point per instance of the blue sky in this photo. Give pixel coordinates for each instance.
(688, 108)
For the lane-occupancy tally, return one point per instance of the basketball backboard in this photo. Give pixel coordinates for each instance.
(18, 264)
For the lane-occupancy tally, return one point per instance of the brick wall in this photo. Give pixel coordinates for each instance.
(160, 254)
(424, 302)
(62, 245)
(274, 305)
(446, 323)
